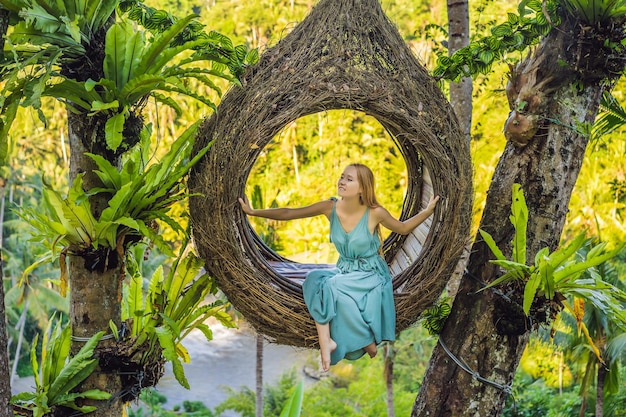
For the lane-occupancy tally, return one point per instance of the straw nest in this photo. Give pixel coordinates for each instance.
(345, 55)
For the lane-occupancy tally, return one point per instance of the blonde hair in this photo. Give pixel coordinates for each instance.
(365, 177)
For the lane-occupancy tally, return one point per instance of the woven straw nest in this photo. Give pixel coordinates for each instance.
(345, 55)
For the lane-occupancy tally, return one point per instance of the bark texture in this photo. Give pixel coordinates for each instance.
(460, 92)
(487, 331)
(602, 374)
(5, 379)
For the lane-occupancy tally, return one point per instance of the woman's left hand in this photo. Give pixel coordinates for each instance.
(432, 203)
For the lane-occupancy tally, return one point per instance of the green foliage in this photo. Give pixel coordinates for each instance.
(140, 193)
(154, 407)
(353, 388)
(520, 31)
(66, 24)
(266, 228)
(591, 338)
(275, 398)
(55, 379)
(45, 36)
(172, 307)
(535, 399)
(293, 408)
(545, 360)
(558, 272)
(612, 116)
(136, 66)
(434, 318)
(214, 46)
(595, 11)
(284, 399)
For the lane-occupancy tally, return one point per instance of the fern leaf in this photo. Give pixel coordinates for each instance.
(107, 173)
(166, 340)
(155, 52)
(113, 130)
(519, 219)
(492, 245)
(77, 369)
(206, 331)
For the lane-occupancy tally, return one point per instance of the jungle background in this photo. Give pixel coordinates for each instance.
(301, 166)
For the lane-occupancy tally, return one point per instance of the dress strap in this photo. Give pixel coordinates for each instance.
(333, 218)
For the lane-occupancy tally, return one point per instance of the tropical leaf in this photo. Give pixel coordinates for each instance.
(54, 376)
(293, 407)
(166, 340)
(77, 369)
(107, 173)
(573, 270)
(612, 116)
(559, 271)
(206, 331)
(113, 130)
(492, 245)
(519, 219)
(530, 290)
(123, 49)
(159, 52)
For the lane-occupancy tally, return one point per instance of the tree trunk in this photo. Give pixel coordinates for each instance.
(259, 375)
(20, 327)
(5, 383)
(602, 373)
(461, 102)
(95, 276)
(389, 352)
(485, 331)
(461, 92)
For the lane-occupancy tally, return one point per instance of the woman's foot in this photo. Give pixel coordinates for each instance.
(371, 349)
(326, 348)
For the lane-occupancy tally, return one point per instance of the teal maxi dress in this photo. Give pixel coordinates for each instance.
(356, 297)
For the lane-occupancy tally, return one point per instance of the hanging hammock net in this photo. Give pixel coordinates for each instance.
(345, 54)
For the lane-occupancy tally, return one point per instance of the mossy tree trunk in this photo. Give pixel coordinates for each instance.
(95, 275)
(485, 330)
(5, 377)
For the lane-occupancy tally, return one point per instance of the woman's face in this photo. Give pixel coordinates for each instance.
(348, 184)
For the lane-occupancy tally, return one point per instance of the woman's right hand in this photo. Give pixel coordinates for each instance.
(245, 205)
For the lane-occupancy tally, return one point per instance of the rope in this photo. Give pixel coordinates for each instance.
(507, 389)
(86, 339)
(484, 284)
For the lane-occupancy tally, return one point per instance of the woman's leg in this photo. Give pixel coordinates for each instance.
(371, 349)
(327, 345)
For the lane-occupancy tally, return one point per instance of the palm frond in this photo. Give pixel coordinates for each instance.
(612, 116)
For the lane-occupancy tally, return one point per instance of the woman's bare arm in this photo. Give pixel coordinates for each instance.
(406, 226)
(285, 213)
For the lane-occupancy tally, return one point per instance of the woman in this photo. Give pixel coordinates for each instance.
(352, 305)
